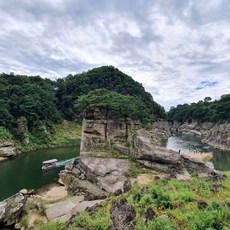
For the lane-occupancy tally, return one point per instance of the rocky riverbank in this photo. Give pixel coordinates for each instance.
(114, 155)
(216, 135)
(111, 149)
(7, 150)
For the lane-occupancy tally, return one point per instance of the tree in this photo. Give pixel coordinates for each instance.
(122, 106)
(207, 99)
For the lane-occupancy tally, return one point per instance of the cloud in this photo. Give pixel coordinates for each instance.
(171, 47)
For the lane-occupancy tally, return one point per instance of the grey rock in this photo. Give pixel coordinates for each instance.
(122, 216)
(65, 210)
(8, 151)
(102, 134)
(149, 214)
(23, 191)
(75, 184)
(11, 208)
(107, 173)
(127, 186)
(217, 135)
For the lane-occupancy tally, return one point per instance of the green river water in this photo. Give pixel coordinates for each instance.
(24, 171)
(191, 143)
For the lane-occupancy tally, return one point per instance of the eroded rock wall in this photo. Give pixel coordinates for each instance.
(217, 135)
(104, 136)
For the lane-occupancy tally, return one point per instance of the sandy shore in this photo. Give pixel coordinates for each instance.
(203, 156)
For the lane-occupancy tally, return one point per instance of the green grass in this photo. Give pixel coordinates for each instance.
(64, 134)
(175, 204)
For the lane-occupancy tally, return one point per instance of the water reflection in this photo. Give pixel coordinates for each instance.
(24, 171)
(191, 143)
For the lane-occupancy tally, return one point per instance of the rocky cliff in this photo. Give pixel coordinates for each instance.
(11, 209)
(7, 150)
(110, 147)
(162, 129)
(217, 135)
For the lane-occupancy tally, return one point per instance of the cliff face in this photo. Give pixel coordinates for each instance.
(110, 147)
(217, 135)
(162, 129)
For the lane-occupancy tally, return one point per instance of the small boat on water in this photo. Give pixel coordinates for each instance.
(49, 164)
(54, 163)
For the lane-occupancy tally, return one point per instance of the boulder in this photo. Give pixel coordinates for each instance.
(122, 216)
(109, 145)
(23, 191)
(11, 209)
(107, 173)
(8, 151)
(149, 214)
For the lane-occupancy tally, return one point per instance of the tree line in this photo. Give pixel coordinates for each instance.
(43, 102)
(202, 111)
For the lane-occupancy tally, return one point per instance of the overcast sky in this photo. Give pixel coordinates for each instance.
(178, 49)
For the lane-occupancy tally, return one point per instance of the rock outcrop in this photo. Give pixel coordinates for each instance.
(11, 209)
(162, 129)
(217, 135)
(122, 216)
(109, 146)
(7, 149)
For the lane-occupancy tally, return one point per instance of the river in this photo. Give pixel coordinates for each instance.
(24, 171)
(192, 143)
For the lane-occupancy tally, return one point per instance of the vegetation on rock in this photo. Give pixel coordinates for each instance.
(165, 204)
(37, 104)
(122, 106)
(69, 89)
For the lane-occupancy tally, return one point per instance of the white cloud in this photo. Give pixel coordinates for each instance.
(169, 46)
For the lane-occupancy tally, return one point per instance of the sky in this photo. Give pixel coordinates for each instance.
(178, 49)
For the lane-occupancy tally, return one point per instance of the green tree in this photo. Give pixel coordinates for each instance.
(123, 107)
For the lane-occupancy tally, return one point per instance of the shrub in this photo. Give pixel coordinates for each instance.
(146, 200)
(4, 134)
(160, 223)
(206, 220)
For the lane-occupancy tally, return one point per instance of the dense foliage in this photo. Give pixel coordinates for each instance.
(39, 103)
(122, 106)
(203, 111)
(196, 204)
(30, 97)
(105, 77)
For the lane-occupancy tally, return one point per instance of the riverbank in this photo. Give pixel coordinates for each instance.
(216, 135)
(63, 134)
(202, 156)
(194, 204)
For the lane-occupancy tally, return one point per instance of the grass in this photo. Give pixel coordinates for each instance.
(64, 134)
(176, 204)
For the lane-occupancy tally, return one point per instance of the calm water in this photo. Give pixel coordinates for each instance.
(24, 171)
(192, 143)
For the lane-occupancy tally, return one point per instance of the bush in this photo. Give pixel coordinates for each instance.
(4, 134)
(206, 220)
(160, 223)
(146, 200)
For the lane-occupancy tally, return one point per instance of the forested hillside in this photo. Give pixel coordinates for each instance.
(43, 102)
(202, 111)
(105, 77)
